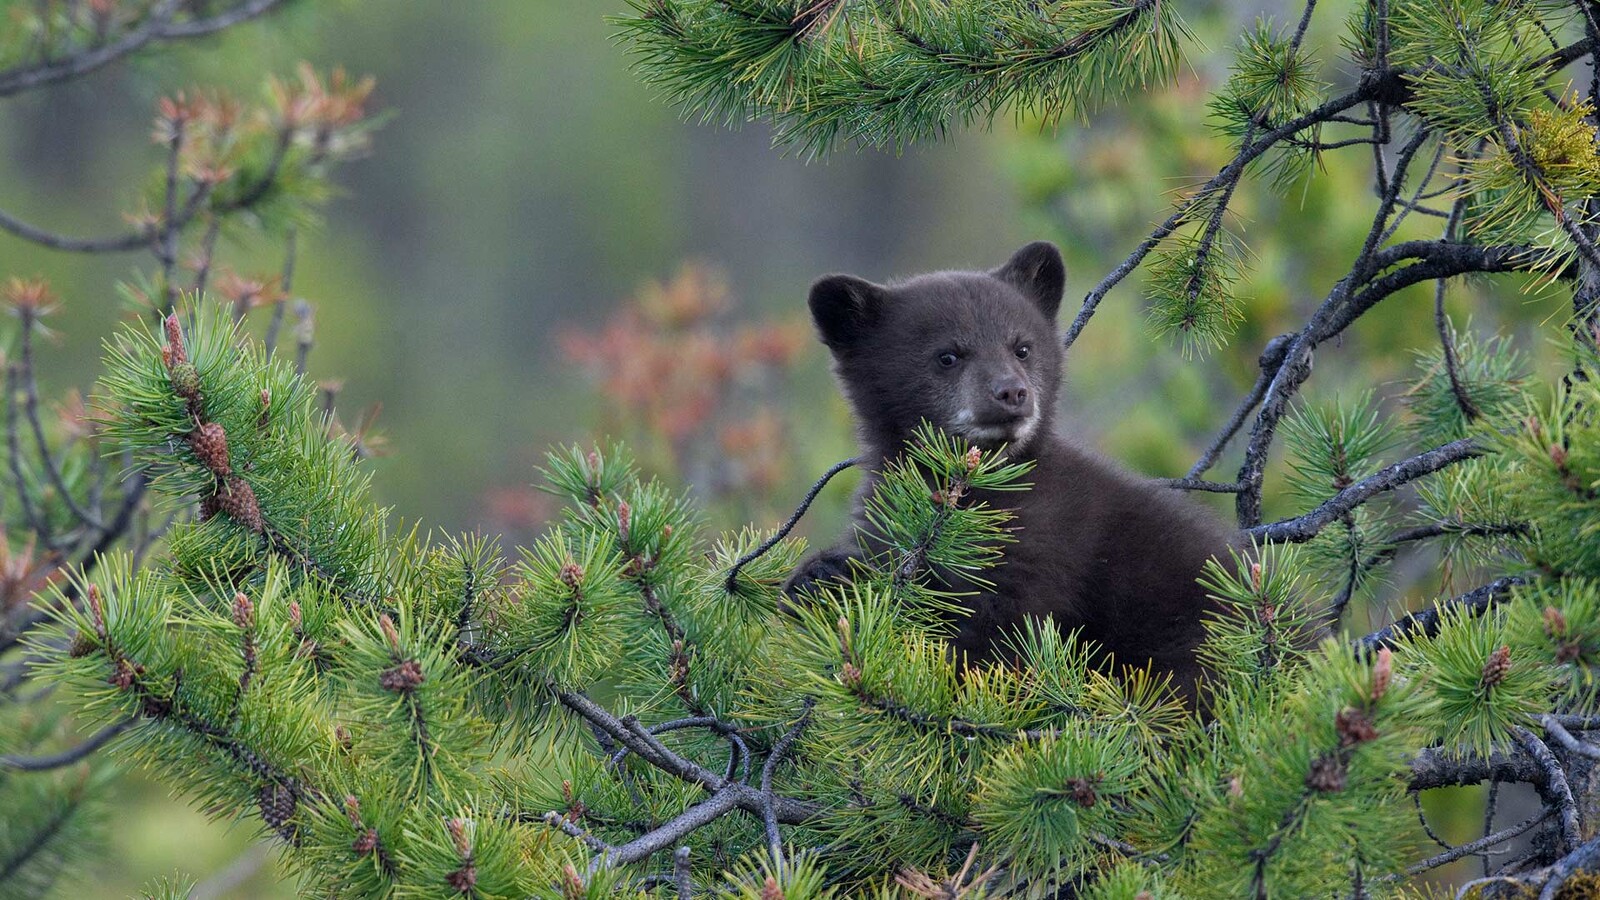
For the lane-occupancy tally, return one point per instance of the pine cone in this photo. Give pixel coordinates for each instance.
(366, 842)
(186, 381)
(277, 805)
(1327, 774)
(464, 879)
(402, 679)
(209, 506)
(1496, 667)
(210, 445)
(1083, 792)
(238, 500)
(1354, 727)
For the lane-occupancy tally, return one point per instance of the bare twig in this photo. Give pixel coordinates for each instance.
(1483, 843)
(1426, 622)
(70, 755)
(1229, 174)
(156, 27)
(769, 812)
(789, 810)
(1271, 359)
(731, 582)
(682, 875)
(1554, 728)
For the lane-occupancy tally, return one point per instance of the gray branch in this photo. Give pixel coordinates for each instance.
(1304, 528)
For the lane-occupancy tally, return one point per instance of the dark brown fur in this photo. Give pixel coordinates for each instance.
(1098, 548)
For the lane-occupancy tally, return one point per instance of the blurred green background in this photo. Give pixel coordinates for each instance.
(527, 184)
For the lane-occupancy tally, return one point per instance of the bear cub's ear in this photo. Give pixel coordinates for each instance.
(1038, 271)
(844, 307)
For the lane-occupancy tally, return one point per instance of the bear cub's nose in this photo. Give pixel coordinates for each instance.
(1012, 393)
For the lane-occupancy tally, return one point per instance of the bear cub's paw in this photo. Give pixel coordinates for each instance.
(821, 569)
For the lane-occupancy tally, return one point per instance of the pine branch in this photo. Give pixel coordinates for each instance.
(159, 25)
(1437, 767)
(788, 810)
(731, 582)
(1304, 528)
(1584, 858)
(71, 755)
(1426, 622)
(1553, 787)
(1473, 847)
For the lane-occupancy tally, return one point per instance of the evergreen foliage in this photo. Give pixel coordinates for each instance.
(632, 708)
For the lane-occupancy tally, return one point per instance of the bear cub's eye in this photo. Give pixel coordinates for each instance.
(1022, 351)
(948, 359)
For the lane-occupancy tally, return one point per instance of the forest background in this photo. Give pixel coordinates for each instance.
(526, 191)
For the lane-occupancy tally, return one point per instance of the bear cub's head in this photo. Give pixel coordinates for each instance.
(975, 353)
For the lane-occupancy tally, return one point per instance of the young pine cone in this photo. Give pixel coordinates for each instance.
(238, 500)
(210, 445)
(1497, 667)
(277, 803)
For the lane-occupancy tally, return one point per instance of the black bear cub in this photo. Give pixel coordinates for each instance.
(1098, 548)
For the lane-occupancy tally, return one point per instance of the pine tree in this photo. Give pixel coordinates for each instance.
(629, 707)
(254, 171)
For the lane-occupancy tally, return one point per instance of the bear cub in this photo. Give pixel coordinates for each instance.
(1098, 548)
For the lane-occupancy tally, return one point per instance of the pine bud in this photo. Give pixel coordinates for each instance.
(210, 445)
(458, 835)
(770, 890)
(1354, 727)
(624, 521)
(97, 612)
(1327, 774)
(296, 618)
(403, 678)
(572, 885)
(244, 612)
(1555, 624)
(1236, 787)
(1496, 667)
(175, 339)
(850, 676)
(678, 665)
(166, 356)
(209, 507)
(390, 633)
(352, 809)
(341, 736)
(366, 842)
(1558, 455)
(1382, 672)
(238, 500)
